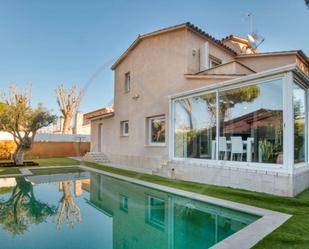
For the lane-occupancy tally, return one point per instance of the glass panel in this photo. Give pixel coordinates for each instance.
(299, 105)
(251, 123)
(195, 126)
(157, 130)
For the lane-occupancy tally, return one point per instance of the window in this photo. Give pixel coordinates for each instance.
(299, 106)
(127, 83)
(195, 126)
(156, 128)
(156, 211)
(213, 61)
(124, 125)
(124, 203)
(251, 123)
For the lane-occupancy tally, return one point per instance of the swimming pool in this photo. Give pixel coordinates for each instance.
(90, 210)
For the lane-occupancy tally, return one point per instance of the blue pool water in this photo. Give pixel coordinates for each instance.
(86, 210)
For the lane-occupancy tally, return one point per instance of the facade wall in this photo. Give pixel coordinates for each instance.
(259, 64)
(157, 67)
(265, 181)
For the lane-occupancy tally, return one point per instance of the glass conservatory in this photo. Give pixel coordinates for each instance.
(259, 120)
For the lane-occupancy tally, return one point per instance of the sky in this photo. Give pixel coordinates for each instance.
(46, 43)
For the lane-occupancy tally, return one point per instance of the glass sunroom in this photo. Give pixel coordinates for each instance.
(256, 121)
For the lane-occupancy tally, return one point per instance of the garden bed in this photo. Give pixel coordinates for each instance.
(12, 164)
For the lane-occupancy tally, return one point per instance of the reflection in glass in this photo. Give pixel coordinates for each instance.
(299, 105)
(195, 126)
(157, 130)
(251, 123)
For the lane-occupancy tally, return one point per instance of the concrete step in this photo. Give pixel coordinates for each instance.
(96, 157)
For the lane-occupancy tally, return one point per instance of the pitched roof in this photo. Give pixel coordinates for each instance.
(102, 112)
(187, 25)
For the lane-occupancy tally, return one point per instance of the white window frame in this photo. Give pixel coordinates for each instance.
(288, 149)
(149, 122)
(123, 128)
(303, 87)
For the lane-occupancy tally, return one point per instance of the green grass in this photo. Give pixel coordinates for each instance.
(55, 162)
(9, 171)
(42, 163)
(59, 170)
(292, 234)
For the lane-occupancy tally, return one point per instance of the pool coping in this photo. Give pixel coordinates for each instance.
(244, 238)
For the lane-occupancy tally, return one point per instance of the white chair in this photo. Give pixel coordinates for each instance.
(223, 147)
(237, 148)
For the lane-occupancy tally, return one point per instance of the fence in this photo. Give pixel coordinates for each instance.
(48, 145)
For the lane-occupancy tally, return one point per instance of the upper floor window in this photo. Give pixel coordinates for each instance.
(124, 126)
(127, 82)
(213, 61)
(156, 129)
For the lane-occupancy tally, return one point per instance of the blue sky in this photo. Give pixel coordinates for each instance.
(45, 43)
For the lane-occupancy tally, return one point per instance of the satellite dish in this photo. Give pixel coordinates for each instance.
(255, 40)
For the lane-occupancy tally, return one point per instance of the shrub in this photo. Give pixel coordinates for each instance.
(6, 148)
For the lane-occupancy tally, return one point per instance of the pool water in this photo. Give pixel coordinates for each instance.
(86, 210)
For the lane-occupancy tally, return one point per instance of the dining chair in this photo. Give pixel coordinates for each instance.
(237, 148)
(223, 147)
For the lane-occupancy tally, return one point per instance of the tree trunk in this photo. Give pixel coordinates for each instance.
(18, 155)
(66, 124)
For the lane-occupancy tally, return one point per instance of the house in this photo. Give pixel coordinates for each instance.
(192, 107)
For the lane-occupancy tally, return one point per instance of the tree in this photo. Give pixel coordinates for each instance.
(22, 209)
(68, 102)
(18, 118)
(227, 101)
(307, 3)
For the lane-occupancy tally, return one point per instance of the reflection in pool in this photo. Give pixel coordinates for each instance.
(89, 210)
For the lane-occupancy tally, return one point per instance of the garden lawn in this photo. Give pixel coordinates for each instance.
(42, 163)
(292, 234)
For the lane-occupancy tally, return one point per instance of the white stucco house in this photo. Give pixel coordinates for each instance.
(192, 107)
